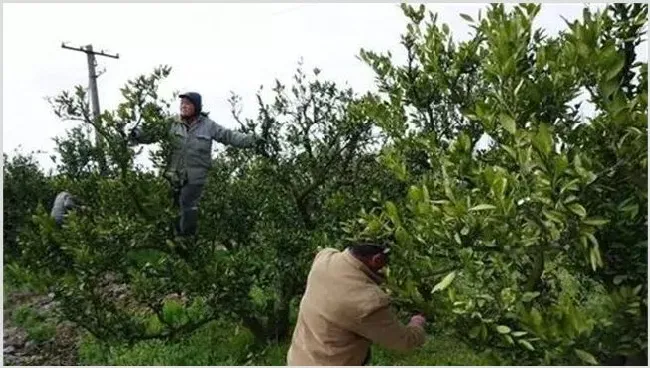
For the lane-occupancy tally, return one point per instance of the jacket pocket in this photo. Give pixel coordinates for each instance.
(201, 157)
(203, 143)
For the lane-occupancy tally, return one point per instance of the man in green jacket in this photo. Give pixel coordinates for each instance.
(191, 158)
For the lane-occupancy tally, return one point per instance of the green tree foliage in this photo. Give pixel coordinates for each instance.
(260, 216)
(538, 245)
(533, 246)
(25, 186)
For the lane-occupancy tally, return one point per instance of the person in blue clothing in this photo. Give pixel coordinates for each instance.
(192, 136)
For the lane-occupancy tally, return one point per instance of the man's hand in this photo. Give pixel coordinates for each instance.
(132, 139)
(418, 320)
(173, 178)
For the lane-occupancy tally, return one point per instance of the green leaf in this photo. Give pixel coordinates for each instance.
(482, 207)
(577, 162)
(616, 68)
(467, 18)
(595, 221)
(425, 193)
(527, 345)
(536, 317)
(414, 194)
(521, 83)
(503, 329)
(529, 296)
(519, 333)
(570, 199)
(578, 209)
(554, 216)
(618, 279)
(374, 226)
(594, 257)
(391, 211)
(508, 123)
(572, 186)
(632, 209)
(473, 333)
(543, 140)
(510, 151)
(561, 164)
(402, 236)
(586, 357)
(593, 239)
(457, 239)
(446, 281)
(609, 87)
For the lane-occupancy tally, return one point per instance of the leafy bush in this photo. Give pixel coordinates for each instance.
(488, 239)
(25, 186)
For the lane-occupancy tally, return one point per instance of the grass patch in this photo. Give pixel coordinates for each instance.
(36, 324)
(220, 343)
(214, 343)
(442, 350)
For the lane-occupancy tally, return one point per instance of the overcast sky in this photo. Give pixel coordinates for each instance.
(212, 48)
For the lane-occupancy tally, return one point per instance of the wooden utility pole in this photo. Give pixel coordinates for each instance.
(94, 95)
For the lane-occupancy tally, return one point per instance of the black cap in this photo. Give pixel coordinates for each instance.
(195, 99)
(367, 248)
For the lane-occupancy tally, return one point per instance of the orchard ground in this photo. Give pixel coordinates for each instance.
(33, 336)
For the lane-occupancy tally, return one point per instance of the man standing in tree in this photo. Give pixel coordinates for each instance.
(344, 311)
(191, 158)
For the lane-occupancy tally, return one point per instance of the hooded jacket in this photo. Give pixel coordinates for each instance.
(192, 146)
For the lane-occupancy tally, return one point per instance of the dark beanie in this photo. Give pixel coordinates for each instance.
(195, 99)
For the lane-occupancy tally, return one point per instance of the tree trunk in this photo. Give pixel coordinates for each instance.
(281, 329)
(257, 329)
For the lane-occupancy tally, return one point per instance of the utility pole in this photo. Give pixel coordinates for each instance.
(92, 86)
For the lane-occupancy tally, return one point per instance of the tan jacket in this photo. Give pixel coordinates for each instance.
(344, 311)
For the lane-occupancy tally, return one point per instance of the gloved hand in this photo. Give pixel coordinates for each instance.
(418, 320)
(173, 178)
(133, 137)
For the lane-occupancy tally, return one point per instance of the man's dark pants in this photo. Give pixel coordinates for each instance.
(186, 199)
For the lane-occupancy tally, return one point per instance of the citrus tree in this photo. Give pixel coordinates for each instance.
(536, 244)
(119, 273)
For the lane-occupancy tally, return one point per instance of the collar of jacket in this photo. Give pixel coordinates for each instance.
(193, 123)
(354, 262)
